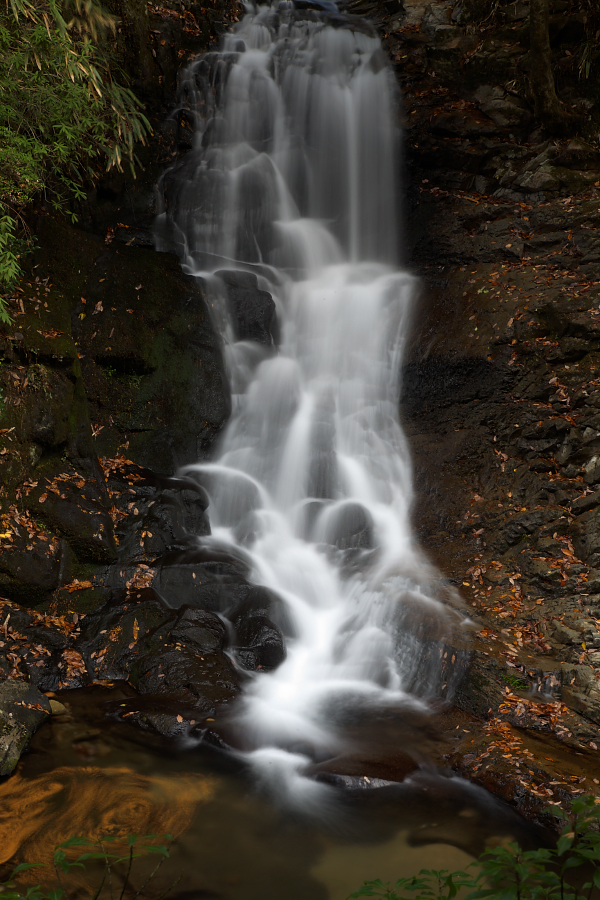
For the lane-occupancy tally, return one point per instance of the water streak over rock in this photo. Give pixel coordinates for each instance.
(291, 184)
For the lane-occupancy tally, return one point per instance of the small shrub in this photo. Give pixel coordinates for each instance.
(62, 110)
(116, 866)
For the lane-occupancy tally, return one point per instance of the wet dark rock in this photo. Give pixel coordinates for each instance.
(253, 309)
(260, 643)
(77, 509)
(203, 679)
(190, 584)
(199, 630)
(349, 526)
(182, 483)
(179, 653)
(37, 645)
(586, 535)
(482, 688)
(437, 382)
(521, 524)
(255, 600)
(585, 503)
(23, 708)
(259, 640)
(173, 521)
(46, 417)
(30, 570)
(569, 350)
(580, 155)
(115, 637)
(592, 470)
(207, 579)
(162, 515)
(507, 112)
(547, 428)
(167, 715)
(46, 663)
(83, 601)
(169, 724)
(580, 691)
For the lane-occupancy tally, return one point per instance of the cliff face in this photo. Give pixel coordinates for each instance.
(500, 389)
(112, 373)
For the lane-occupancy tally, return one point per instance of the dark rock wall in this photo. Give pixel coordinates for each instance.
(500, 384)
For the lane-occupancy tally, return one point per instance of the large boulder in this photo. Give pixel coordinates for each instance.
(22, 710)
(259, 620)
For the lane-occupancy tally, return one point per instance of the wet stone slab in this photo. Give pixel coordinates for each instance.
(23, 708)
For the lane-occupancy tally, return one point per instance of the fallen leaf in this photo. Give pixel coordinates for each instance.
(52, 333)
(77, 585)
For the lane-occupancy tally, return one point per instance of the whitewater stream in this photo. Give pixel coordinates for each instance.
(292, 185)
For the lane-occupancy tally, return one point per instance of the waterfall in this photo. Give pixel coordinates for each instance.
(291, 186)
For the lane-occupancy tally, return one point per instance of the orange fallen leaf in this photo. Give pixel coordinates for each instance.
(77, 585)
(52, 333)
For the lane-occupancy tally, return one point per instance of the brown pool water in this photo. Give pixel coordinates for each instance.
(89, 774)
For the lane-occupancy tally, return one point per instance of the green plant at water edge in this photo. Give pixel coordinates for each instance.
(62, 111)
(115, 882)
(511, 873)
(516, 683)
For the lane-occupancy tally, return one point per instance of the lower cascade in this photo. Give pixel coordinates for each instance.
(289, 196)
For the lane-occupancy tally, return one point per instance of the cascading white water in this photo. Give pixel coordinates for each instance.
(293, 177)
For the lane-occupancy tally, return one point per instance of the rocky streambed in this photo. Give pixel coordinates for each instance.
(112, 379)
(501, 387)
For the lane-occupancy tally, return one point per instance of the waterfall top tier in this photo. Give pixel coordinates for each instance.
(294, 153)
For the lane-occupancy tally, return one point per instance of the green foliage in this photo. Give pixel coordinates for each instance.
(510, 873)
(589, 53)
(431, 884)
(9, 264)
(61, 110)
(116, 866)
(516, 683)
